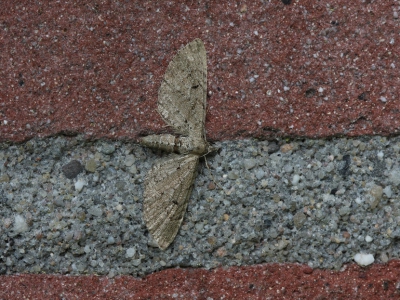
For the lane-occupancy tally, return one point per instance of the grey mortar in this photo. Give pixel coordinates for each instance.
(306, 201)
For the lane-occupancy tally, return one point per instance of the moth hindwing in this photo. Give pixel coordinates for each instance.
(182, 105)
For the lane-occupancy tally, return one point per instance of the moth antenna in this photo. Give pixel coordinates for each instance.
(213, 178)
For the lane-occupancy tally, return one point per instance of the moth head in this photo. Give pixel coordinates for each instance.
(211, 149)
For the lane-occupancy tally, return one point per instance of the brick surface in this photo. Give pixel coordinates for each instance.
(311, 68)
(272, 281)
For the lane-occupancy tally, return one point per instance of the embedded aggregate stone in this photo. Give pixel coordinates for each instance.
(318, 202)
(72, 169)
(91, 165)
(4, 178)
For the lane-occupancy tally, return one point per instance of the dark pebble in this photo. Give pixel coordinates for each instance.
(72, 169)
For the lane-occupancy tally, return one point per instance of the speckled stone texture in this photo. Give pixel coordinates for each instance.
(273, 281)
(311, 68)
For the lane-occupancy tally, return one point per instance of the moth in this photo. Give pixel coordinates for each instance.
(182, 105)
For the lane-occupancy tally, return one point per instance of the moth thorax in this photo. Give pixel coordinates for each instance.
(192, 145)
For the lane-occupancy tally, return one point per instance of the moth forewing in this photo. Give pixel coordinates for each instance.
(181, 103)
(183, 91)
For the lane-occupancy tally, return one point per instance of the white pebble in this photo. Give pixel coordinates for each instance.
(320, 89)
(368, 239)
(388, 191)
(264, 183)
(260, 174)
(96, 177)
(380, 154)
(130, 252)
(364, 259)
(79, 185)
(383, 99)
(20, 224)
(394, 177)
(296, 179)
(340, 191)
(7, 222)
(358, 200)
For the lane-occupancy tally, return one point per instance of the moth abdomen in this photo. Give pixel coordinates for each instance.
(164, 142)
(172, 144)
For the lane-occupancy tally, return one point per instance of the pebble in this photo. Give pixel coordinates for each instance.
(368, 239)
(130, 160)
(394, 176)
(249, 163)
(388, 191)
(108, 149)
(132, 169)
(308, 270)
(95, 211)
(4, 178)
(287, 147)
(130, 252)
(72, 169)
(20, 224)
(91, 165)
(384, 258)
(296, 179)
(364, 259)
(259, 174)
(299, 219)
(376, 192)
(211, 186)
(79, 184)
